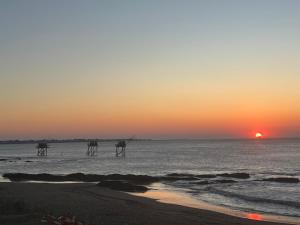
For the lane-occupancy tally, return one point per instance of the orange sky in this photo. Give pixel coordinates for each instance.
(180, 70)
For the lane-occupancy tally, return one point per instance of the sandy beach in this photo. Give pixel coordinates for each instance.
(27, 203)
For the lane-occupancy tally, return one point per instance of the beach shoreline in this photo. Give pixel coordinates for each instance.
(27, 203)
(183, 199)
(153, 187)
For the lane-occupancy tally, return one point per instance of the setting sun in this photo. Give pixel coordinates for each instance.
(258, 135)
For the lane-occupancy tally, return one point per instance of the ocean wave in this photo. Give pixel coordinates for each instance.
(281, 173)
(200, 176)
(253, 198)
(282, 179)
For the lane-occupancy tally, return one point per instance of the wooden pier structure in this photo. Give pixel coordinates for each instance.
(42, 149)
(92, 148)
(122, 145)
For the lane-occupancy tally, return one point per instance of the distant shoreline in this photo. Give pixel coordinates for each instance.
(79, 140)
(65, 140)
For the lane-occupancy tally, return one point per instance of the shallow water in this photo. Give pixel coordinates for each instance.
(260, 158)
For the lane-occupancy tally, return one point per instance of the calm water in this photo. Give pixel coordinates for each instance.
(260, 158)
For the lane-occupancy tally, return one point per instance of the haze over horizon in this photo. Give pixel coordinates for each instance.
(154, 69)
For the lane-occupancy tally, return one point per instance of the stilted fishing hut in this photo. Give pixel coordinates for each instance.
(42, 149)
(92, 148)
(120, 152)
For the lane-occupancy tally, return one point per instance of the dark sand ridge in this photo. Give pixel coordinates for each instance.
(26, 203)
(140, 179)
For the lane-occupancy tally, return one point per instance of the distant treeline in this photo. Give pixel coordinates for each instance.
(66, 140)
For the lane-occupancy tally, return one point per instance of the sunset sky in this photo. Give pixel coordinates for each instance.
(154, 69)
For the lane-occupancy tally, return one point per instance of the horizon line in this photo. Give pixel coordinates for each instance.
(12, 141)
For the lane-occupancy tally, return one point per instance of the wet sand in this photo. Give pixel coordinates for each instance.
(27, 203)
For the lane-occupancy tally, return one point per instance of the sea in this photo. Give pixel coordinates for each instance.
(262, 159)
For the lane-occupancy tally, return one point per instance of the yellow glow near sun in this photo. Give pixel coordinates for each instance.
(258, 135)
